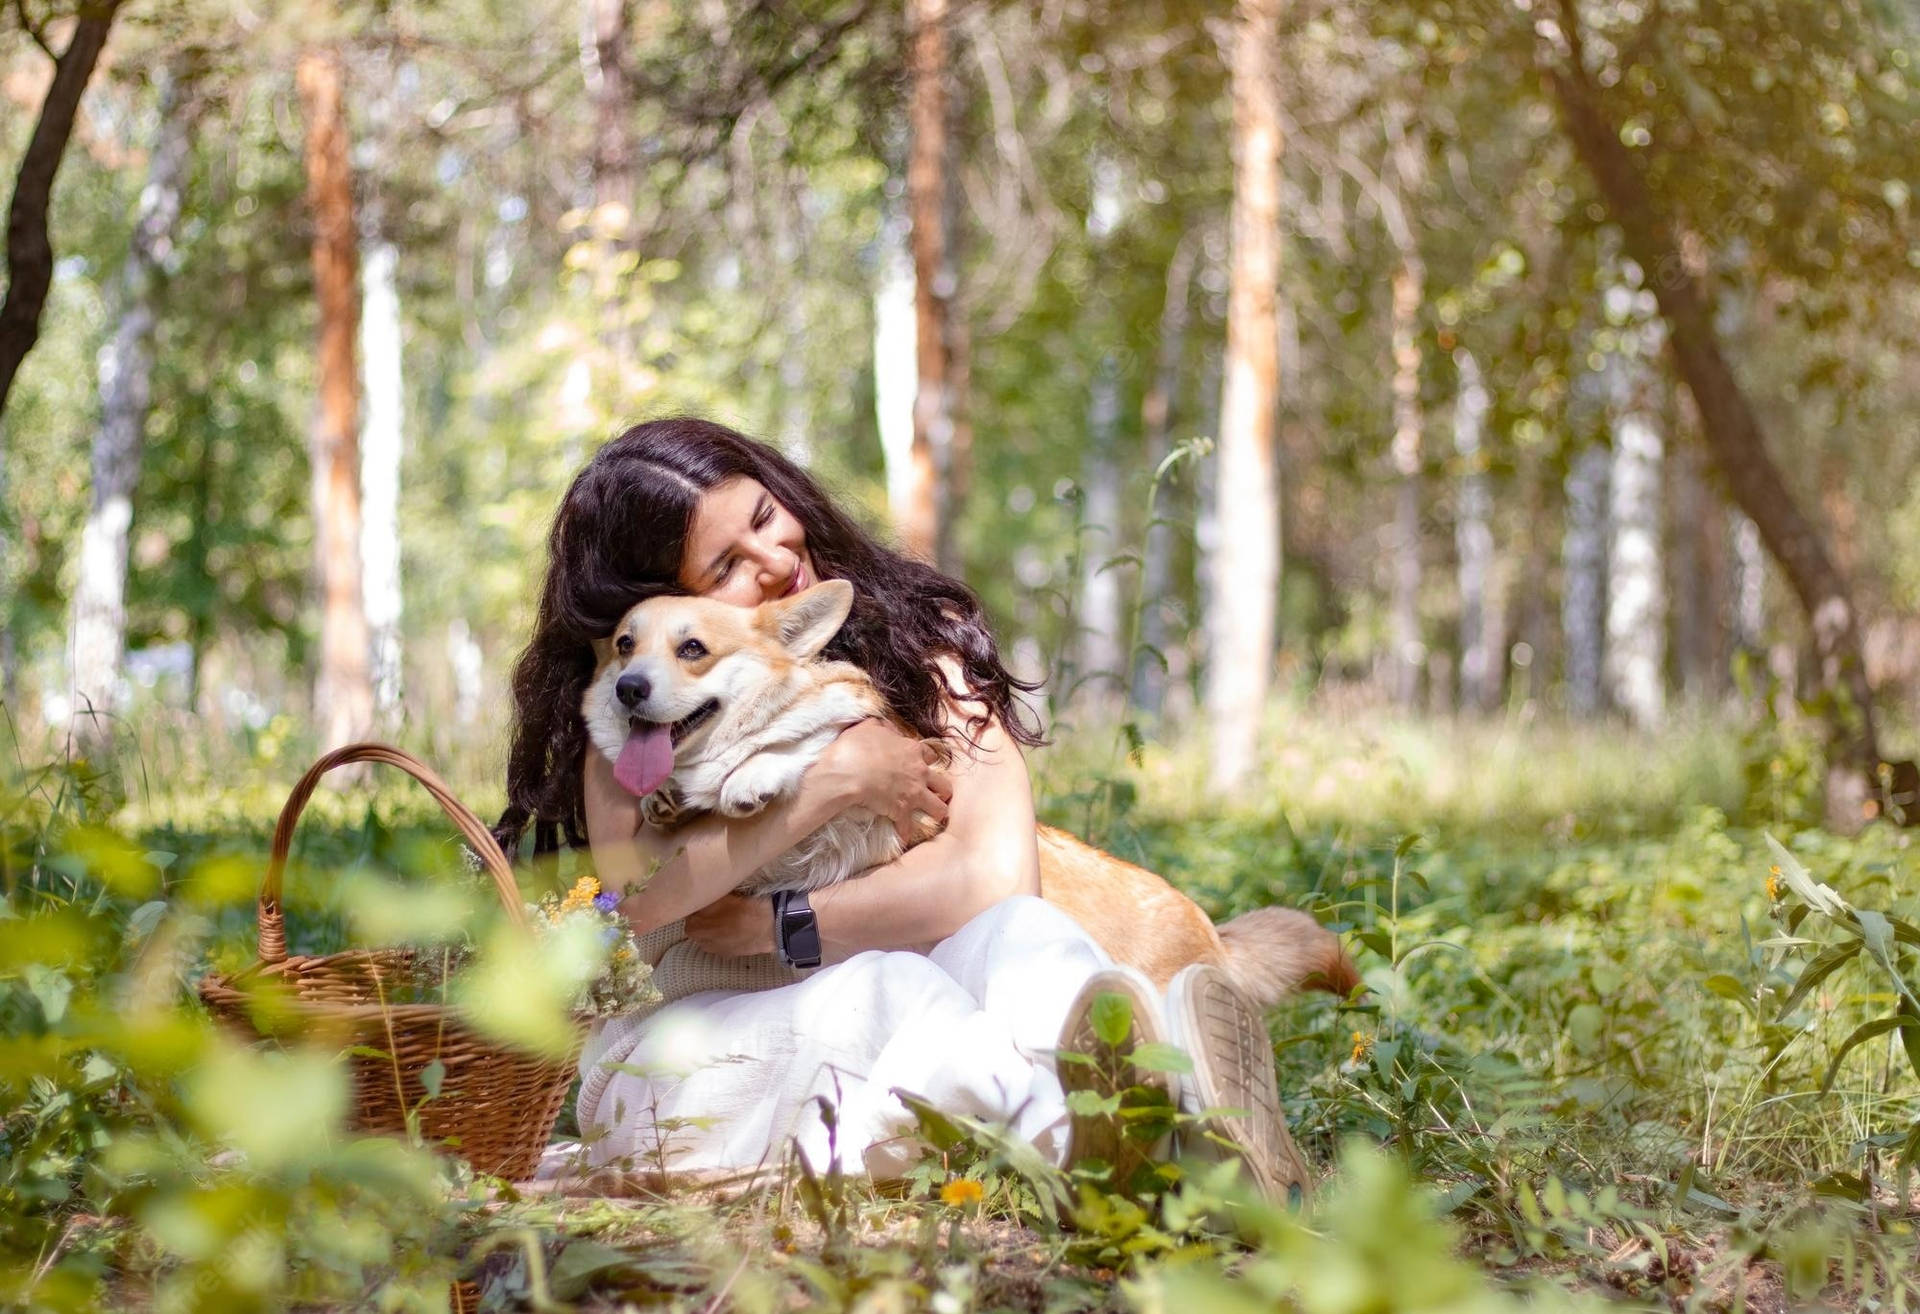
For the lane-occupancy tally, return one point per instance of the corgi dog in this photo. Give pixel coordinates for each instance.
(703, 707)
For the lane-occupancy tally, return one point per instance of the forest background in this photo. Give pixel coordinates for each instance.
(1536, 380)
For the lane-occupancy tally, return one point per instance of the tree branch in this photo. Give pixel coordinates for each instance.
(29, 250)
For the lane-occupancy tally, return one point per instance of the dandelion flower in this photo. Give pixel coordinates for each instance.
(1776, 885)
(1362, 1046)
(962, 1191)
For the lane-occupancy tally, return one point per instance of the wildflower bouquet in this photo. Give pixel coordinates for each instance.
(624, 983)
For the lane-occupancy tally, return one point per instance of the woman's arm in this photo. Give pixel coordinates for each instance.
(987, 853)
(869, 765)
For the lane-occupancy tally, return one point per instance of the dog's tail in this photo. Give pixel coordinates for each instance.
(1274, 952)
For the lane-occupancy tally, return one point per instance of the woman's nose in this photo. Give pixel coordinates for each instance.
(776, 564)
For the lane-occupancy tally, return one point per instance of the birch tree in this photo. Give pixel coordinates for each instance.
(1482, 613)
(896, 369)
(1246, 562)
(97, 625)
(1157, 409)
(1583, 580)
(1406, 292)
(343, 689)
(1098, 660)
(382, 445)
(1636, 600)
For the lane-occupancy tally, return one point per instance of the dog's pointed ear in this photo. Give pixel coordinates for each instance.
(805, 622)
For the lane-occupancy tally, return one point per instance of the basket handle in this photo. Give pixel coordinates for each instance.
(273, 928)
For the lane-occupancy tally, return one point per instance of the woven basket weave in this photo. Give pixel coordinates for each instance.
(496, 1106)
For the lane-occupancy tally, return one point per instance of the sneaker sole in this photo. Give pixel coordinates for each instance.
(1226, 1037)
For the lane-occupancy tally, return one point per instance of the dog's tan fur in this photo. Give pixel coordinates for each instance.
(779, 710)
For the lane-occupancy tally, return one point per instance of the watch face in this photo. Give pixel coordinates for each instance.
(799, 931)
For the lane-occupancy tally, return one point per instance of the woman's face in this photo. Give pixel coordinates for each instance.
(743, 547)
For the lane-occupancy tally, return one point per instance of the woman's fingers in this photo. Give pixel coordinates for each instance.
(933, 805)
(939, 782)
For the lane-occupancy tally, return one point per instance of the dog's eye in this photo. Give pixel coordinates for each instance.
(692, 650)
(624, 645)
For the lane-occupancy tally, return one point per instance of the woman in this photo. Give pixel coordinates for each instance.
(723, 1079)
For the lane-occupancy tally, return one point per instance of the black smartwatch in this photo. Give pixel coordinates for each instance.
(796, 935)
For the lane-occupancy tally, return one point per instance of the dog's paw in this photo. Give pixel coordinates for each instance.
(737, 803)
(755, 783)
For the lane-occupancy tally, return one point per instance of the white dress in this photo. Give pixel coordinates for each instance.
(723, 1080)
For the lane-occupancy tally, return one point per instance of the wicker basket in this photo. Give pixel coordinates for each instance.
(496, 1106)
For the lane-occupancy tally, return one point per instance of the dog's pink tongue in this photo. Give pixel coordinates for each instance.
(645, 760)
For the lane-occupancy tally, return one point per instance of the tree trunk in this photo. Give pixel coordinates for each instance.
(1482, 634)
(1749, 584)
(1583, 586)
(1636, 601)
(933, 278)
(343, 692)
(796, 400)
(1098, 660)
(97, 626)
(382, 444)
(1733, 435)
(895, 370)
(1246, 563)
(609, 85)
(1156, 422)
(1186, 688)
(1409, 424)
(29, 248)
(465, 662)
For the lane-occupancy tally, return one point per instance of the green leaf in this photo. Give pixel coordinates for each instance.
(580, 1263)
(1158, 1056)
(1584, 1025)
(1829, 962)
(142, 920)
(1861, 1035)
(431, 1076)
(1727, 987)
(1112, 1016)
(1092, 1104)
(53, 988)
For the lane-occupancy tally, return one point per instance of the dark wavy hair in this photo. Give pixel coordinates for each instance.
(618, 539)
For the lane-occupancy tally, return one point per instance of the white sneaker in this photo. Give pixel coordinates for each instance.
(1225, 1035)
(1137, 1134)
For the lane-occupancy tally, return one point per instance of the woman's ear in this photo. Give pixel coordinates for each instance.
(806, 622)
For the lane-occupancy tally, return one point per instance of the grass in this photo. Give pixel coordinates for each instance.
(1574, 1065)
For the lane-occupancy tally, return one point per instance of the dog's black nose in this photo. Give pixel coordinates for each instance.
(632, 690)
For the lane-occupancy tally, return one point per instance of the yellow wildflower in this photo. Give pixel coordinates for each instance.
(581, 895)
(1776, 885)
(1362, 1046)
(962, 1191)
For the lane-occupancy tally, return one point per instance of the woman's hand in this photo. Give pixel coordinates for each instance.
(733, 926)
(874, 766)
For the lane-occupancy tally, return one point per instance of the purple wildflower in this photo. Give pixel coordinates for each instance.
(606, 901)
